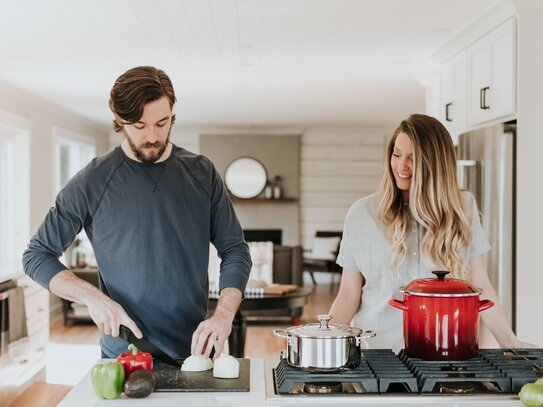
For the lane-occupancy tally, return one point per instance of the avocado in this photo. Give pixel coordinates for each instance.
(140, 384)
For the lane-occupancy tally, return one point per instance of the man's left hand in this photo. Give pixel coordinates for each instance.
(213, 332)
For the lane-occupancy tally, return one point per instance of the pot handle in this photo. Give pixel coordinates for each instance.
(364, 335)
(280, 333)
(485, 304)
(398, 304)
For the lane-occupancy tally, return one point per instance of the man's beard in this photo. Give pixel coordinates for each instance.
(148, 156)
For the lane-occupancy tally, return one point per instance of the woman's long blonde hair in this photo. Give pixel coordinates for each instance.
(434, 198)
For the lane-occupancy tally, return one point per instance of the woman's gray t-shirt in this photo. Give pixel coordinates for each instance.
(365, 248)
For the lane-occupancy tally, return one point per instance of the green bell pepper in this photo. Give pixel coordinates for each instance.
(108, 380)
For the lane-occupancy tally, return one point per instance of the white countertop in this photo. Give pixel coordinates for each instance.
(82, 395)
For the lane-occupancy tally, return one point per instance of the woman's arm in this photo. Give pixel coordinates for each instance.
(494, 317)
(348, 298)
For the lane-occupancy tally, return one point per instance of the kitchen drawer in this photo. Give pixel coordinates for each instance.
(30, 287)
(38, 339)
(37, 311)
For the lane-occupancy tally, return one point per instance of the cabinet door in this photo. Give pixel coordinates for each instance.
(453, 93)
(501, 97)
(491, 78)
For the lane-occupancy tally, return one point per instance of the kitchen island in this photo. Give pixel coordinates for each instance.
(261, 394)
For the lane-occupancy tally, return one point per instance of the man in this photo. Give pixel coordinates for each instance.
(150, 209)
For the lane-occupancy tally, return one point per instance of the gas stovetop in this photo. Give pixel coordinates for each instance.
(494, 372)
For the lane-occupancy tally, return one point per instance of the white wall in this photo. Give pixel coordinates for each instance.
(41, 122)
(529, 288)
(44, 118)
(338, 167)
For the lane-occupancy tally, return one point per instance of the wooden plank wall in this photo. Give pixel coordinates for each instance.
(338, 167)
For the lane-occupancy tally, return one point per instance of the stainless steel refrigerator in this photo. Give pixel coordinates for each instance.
(486, 167)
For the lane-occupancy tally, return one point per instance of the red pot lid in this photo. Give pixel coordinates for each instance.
(441, 287)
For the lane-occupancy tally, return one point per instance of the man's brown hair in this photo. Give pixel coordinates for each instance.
(134, 89)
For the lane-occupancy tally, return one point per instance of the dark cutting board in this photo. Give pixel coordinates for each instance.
(169, 378)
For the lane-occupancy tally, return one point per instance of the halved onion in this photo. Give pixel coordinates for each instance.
(196, 363)
(226, 367)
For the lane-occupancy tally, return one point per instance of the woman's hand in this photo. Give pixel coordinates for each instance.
(523, 345)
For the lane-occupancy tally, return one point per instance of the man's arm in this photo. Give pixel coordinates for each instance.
(106, 313)
(41, 259)
(227, 236)
(214, 331)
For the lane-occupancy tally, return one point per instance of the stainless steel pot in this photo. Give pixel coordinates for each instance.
(323, 347)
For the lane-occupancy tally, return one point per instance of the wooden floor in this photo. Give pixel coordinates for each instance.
(260, 343)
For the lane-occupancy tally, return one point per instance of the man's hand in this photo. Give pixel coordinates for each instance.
(106, 313)
(109, 315)
(213, 332)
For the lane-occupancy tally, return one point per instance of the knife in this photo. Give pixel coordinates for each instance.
(146, 346)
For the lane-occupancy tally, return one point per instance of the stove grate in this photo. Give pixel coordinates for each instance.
(520, 365)
(493, 371)
(390, 371)
(287, 376)
(433, 375)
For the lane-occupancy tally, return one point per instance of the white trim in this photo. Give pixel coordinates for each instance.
(477, 29)
(15, 204)
(74, 140)
(47, 106)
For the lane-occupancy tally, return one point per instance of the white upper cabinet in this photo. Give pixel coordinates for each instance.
(491, 75)
(453, 89)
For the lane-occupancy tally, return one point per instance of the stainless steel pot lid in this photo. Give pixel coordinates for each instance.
(324, 329)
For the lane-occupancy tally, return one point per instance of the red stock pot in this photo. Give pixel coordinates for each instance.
(441, 317)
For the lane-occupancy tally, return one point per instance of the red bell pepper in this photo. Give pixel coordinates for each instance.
(135, 360)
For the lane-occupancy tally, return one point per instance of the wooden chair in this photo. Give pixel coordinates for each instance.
(312, 264)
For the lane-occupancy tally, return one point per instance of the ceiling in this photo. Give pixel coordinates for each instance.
(235, 62)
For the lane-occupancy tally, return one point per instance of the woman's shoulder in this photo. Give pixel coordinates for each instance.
(468, 198)
(366, 206)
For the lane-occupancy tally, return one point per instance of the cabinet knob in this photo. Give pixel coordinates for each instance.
(23, 361)
(40, 309)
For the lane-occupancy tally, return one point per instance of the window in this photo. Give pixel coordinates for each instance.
(7, 220)
(14, 193)
(72, 155)
(73, 152)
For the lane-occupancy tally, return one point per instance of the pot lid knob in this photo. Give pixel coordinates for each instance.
(324, 319)
(440, 274)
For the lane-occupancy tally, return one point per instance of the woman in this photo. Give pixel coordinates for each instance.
(419, 221)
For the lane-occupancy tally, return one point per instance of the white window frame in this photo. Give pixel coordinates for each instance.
(14, 192)
(82, 149)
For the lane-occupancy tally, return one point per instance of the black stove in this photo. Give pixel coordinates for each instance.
(381, 371)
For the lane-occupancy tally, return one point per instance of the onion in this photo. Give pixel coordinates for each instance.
(196, 363)
(226, 367)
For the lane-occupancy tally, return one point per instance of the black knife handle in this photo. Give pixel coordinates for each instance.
(125, 333)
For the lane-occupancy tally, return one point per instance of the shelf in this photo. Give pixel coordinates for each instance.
(262, 200)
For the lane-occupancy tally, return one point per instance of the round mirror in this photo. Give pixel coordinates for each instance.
(245, 177)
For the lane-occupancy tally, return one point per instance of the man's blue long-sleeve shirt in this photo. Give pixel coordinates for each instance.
(150, 225)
